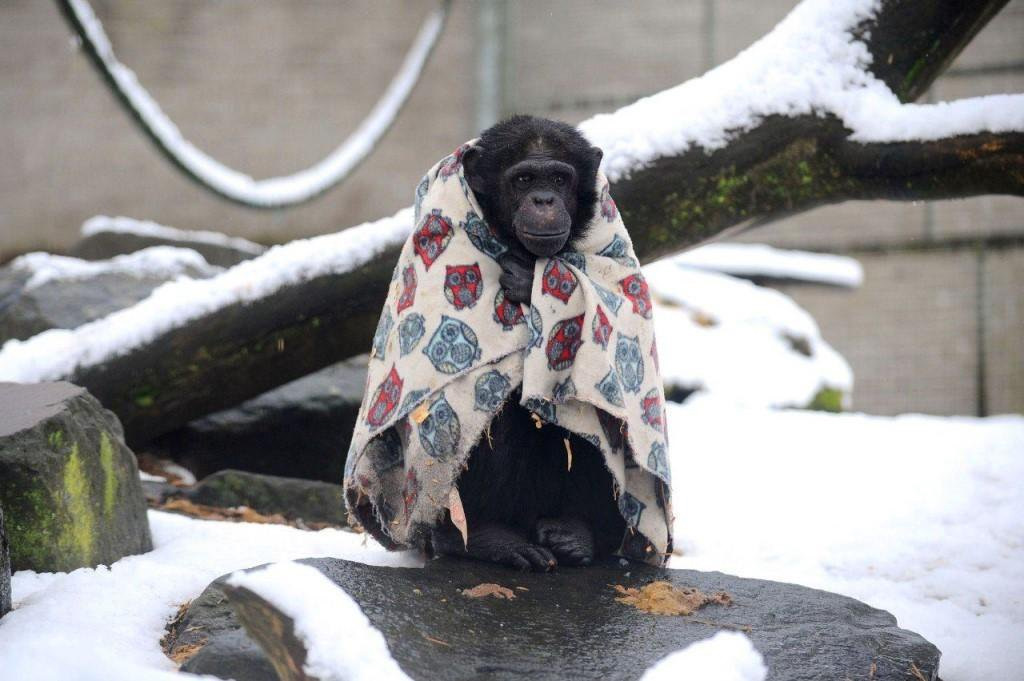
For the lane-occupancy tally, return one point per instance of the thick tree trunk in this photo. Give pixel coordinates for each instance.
(783, 166)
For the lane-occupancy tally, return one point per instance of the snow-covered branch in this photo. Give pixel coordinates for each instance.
(808, 115)
(227, 182)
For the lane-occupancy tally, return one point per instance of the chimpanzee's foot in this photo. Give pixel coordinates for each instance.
(570, 539)
(495, 544)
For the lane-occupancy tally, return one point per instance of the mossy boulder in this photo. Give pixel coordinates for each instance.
(312, 501)
(69, 486)
(5, 570)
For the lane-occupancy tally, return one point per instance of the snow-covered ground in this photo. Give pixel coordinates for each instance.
(922, 516)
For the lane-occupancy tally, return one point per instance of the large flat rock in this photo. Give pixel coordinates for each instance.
(569, 625)
(69, 485)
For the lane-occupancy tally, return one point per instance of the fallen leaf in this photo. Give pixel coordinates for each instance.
(458, 514)
(489, 589)
(662, 598)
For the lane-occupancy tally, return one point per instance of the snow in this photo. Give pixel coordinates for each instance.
(106, 623)
(56, 353)
(738, 340)
(157, 261)
(149, 477)
(922, 516)
(122, 225)
(278, 191)
(726, 656)
(809, 64)
(340, 643)
(761, 260)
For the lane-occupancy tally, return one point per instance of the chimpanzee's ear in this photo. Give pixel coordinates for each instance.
(471, 169)
(597, 155)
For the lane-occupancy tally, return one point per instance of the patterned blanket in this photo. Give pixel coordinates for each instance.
(449, 349)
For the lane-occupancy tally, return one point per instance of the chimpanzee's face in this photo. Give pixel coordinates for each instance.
(539, 192)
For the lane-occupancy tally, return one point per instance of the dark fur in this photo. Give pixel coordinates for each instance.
(525, 507)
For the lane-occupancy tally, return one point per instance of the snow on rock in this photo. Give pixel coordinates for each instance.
(340, 642)
(739, 341)
(921, 516)
(122, 225)
(158, 261)
(57, 352)
(726, 656)
(106, 623)
(809, 64)
(761, 260)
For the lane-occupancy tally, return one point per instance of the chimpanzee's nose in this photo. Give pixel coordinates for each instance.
(543, 199)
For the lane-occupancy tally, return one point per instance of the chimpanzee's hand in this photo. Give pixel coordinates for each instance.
(570, 539)
(517, 277)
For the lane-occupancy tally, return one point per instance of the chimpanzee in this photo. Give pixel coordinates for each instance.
(535, 182)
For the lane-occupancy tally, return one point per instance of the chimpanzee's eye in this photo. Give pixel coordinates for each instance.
(559, 180)
(524, 178)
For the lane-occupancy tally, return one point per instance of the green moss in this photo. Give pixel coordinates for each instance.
(109, 475)
(77, 535)
(144, 397)
(827, 399)
(56, 438)
(31, 520)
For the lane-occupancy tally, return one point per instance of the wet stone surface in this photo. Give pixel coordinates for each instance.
(570, 625)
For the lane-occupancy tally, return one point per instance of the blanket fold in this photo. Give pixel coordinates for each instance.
(449, 349)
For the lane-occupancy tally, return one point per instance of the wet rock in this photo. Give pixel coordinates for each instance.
(39, 291)
(121, 235)
(5, 570)
(311, 501)
(69, 486)
(570, 625)
(301, 429)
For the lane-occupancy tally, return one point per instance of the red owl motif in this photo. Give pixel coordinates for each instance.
(635, 288)
(652, 411)
(463, 285)
(432, 237)
(602, 328)
(408, 295)
(506, 312)
(564, 342)
(558, 281)
(451, 165)
(608, 208)
(385, 399)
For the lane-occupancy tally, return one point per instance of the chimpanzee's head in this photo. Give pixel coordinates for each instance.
(534, 179)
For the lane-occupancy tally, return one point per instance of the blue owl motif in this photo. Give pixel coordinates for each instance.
(490, 391)
(411, 400)
(657, 462)
(618, 249)
(591, 438)
(631, 508)
(609, 387)
(453, 347)
(439, 432)
(574, 258)
(629, 362)
(410, 331)
(563, 391)
(482, 236)
(611, 300)
(542, 408)
(380, 336)
(421, 191)
(536, 326)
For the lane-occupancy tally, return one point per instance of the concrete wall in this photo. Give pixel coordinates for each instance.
(271, 87)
